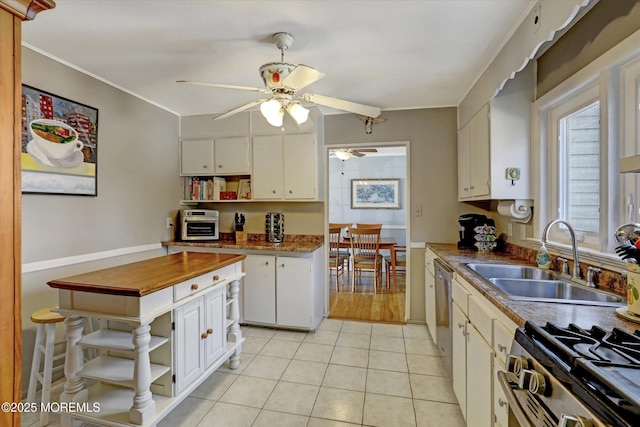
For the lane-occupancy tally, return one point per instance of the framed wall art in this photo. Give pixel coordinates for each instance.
(59, 145)
(375, 193)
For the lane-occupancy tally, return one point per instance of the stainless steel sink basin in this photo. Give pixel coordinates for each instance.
(509, 271)
(526, 283)
(553, 291)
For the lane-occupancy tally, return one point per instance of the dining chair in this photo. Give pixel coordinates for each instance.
(364, 225)
(401, 261)
(365, 253)
(337, 259)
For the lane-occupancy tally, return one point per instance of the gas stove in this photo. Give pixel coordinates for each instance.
(569, 376)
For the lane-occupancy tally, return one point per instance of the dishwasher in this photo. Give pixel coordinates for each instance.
(443, 276)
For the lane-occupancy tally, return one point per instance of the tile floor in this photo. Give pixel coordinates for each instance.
(345, 374)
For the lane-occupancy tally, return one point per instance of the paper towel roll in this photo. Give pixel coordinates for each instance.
(519, 210)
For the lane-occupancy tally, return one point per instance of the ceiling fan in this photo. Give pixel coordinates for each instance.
(347, 153)
(283, 81)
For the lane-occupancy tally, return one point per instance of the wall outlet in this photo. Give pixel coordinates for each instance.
(169, 222)
(523, 232)
(417, 211)
(510, 229)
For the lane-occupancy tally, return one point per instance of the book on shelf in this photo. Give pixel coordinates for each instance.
(197, 188)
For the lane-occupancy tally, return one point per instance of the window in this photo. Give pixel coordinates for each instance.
(575, 169)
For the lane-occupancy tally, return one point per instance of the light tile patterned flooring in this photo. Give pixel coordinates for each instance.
(347, 373)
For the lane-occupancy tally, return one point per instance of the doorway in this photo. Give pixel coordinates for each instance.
(373, 161)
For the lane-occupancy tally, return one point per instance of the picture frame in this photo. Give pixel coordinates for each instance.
(59, 153)
(244, 189)
(375, 193)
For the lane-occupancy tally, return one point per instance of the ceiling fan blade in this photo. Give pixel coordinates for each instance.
(341, 104)
(366, 150)
(357, 153)
(239, 109)
(223, 86)
(302, 76)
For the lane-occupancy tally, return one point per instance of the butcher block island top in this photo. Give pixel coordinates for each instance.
(144, 277)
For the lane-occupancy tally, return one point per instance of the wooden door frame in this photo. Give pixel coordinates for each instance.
(12, 13)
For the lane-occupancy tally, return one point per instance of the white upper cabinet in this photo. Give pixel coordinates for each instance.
(232, 156)
(497, 139)
(220, 156)
(268, 173)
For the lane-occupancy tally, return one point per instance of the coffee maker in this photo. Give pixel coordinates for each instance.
(467, 223)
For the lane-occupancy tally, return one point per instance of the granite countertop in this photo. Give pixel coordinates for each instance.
(294, 245)
(540, 313)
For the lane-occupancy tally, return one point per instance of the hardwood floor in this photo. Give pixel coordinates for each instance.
(387, 306)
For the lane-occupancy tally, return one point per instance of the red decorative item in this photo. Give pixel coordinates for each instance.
(228, 195)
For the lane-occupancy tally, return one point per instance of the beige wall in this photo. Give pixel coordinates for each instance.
(137, 188)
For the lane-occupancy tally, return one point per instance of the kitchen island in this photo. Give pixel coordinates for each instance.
(166, 324)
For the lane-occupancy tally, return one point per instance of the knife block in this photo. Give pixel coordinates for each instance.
(241, 237)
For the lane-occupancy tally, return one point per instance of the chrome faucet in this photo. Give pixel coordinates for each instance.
(576, 274)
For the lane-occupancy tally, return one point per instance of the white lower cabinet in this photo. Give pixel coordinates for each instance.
(460, 324)
(200, 336)
(284, 291)
(479, 379)
(430, 293)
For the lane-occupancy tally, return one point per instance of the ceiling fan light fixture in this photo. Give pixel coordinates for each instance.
(272, 111)
(343, 154)
(298, 112)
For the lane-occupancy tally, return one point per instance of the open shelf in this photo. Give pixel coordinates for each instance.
(108, 339)
(117, 371)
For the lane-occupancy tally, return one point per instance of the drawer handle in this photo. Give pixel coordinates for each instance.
(460, 325)
(216, 277)
(204, 335)
(502, 348)
(194, 287)
(501, 402)
(209, 331)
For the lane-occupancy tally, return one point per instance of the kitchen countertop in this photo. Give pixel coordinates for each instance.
(301, 246)
(144, 277)
(520, 311)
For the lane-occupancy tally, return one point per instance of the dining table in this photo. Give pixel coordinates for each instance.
(386, 243)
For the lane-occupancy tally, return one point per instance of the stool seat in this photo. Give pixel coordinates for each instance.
(45, 315)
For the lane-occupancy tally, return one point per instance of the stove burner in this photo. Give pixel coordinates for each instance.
(602, 368)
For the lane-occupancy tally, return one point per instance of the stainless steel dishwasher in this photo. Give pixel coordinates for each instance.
(444, 275)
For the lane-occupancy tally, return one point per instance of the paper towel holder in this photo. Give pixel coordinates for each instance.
(520, 210)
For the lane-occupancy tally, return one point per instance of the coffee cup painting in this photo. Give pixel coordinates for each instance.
(59, 144)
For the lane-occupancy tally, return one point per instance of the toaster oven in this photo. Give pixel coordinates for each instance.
(200, 224)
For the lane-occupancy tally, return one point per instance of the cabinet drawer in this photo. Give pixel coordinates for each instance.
(502, 338)
(481, 318)
(461, 296)
(199, 283)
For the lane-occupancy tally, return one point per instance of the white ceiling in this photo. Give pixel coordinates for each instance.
(395, 54)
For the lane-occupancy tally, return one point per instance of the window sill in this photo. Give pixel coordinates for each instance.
(592, 257)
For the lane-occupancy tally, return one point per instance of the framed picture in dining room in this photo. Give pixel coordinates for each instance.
(59, 145)
(375, 193)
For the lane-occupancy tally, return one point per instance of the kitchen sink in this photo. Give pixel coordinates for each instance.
(553, 291)
(509, 271)
(527, 283)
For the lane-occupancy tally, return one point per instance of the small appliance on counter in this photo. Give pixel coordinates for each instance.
(468, 223)
(274, 227)
(199, 224)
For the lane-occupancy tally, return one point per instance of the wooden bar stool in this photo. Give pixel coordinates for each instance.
(45, 344)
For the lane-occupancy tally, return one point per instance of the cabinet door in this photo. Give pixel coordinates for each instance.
(463, 163)
(430, 302)
(215, 326)
(294, 280)
(259, 291)
(189, 320)
(459, 356)
(300, 166)
(197, 157)
(232, 156)
(479, 154)
(479, 379)
(268, 175)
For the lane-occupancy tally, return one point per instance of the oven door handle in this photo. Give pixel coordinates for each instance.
(514, 405)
